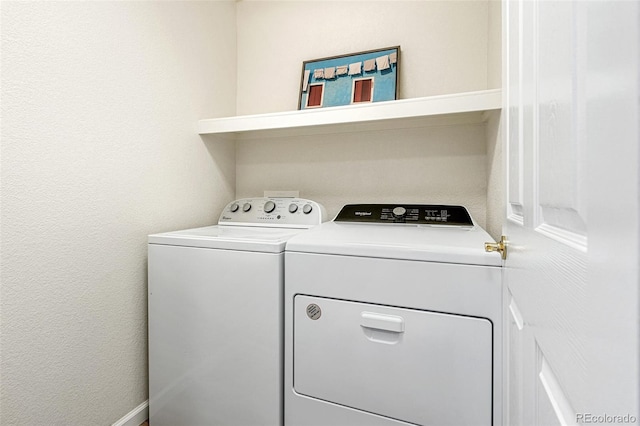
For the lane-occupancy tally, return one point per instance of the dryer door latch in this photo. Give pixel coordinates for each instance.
(500, 247)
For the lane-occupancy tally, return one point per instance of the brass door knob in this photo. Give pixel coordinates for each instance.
(500, 247)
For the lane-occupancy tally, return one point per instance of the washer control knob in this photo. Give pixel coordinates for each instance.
(307, 209)
(234, 207)
(246, 207)
(293, 208)
(399, 212)
(269, 206)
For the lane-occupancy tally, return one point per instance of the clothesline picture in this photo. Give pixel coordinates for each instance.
(355, 78)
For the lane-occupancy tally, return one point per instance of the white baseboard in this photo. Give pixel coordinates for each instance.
(135, 417)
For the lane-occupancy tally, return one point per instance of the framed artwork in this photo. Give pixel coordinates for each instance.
(369, 76)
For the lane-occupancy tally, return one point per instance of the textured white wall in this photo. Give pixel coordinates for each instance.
(443, 45)
(444, 49)
(495, 169)
(99, 148)
(437, 164)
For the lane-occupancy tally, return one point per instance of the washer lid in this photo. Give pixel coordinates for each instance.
(268, 240)
(446, 244)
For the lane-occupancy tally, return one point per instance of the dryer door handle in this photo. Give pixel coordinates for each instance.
(384, 322)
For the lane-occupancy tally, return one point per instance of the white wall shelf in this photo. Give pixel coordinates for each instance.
(468, 107)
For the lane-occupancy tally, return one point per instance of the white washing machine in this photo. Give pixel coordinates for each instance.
(216, 316)
(393, 316)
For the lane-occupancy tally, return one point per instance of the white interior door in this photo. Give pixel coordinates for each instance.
(571, 130)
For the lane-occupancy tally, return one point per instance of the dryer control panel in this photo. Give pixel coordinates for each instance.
(416, 214)
(273, 212)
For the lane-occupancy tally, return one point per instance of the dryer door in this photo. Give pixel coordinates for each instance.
(411, 365)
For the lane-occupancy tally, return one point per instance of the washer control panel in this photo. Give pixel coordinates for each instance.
(416, 214)
(275, 212)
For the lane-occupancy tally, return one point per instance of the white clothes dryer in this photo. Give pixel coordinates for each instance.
(216, 316)
(393, 316)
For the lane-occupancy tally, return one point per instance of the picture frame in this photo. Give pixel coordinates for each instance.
(355, 78)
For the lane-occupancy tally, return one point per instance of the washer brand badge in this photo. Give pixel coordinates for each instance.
(363, 213)
(313, 311)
